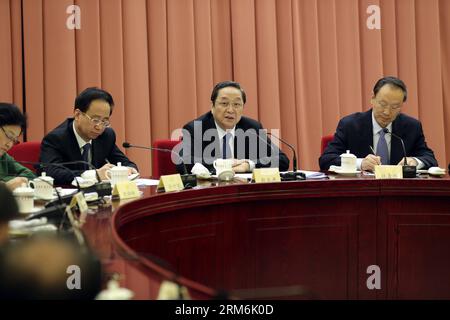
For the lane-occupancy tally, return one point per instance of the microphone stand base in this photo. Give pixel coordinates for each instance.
(292, 176)
(189, 180)
(409, 171)
(102, 189)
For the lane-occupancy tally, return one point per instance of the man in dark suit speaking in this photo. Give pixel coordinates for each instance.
(224, 133)
(85, 137)
(361, 131)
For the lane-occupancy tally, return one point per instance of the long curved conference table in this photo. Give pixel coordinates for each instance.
(324, 238)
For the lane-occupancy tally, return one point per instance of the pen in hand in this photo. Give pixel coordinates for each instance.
(374, 153)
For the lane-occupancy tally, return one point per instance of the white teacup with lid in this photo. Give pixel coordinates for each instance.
(43, 186)
(348, 162)
(24, 196)
(117, 173)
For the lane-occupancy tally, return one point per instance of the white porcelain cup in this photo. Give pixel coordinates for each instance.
(348, 162)
(43, 186)
(222, 165)
(117, 174)
(89, 175)
(24, 196)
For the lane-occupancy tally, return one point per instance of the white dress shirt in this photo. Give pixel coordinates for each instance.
(81, 143)
(222, 133)
(376, 136)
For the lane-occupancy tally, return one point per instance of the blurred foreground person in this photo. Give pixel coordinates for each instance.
(49, 267)
(8, 211)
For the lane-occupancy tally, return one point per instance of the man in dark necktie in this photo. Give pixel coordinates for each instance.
(225, 133)
(86, 137)
(362, 132)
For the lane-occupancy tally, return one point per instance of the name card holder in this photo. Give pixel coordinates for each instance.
(80, 200)
(266, 175)
(126, 190)
(388, 172)
(171, 182)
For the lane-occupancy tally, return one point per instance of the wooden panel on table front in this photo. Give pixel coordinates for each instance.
(266, 243)
(419, 248)
(314, 244)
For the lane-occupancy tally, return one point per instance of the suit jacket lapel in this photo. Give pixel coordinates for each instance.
(73, 147)
(367, 135)
(96, 153)
(210, 124)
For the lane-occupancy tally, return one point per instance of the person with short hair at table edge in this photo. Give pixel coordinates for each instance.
(219, 131)
(360, 131)
(12, 124)
(9, 211)
(85, 137)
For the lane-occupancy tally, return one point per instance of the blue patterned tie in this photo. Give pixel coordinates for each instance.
(85, 154)
(382, 148)
(226, 149)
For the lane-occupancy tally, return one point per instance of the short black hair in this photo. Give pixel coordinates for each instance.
(21, 270)
(10, 114)
(84, 99)
(225, 84)
(10, 210)
(393, 81)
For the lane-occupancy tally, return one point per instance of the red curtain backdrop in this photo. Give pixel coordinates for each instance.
(303, 63)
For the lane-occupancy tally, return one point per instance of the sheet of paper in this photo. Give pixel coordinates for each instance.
(146, 182)
(243, 175)
(313, 174)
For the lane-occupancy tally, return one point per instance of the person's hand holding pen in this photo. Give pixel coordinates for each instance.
(102, 171)
(370, 161)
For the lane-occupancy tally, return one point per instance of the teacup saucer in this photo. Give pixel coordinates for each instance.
(225, 175)
(204, 175)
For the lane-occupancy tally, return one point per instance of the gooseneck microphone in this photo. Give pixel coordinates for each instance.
(129, 145)
(189, 180)
(408, 171)
(294, 175)
(294, 154)
(102, 188)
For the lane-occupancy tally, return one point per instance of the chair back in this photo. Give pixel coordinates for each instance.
(162, 161)
(325, 141)
(26, 151)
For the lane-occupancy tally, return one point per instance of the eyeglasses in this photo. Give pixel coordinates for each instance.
(97, 122)
(14, 140)
(235, 105)
(384, 105)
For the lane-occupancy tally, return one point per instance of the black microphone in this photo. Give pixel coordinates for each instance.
(408, 171)
(288, 176)
(103, 188)
(294, 175)
(189, 180)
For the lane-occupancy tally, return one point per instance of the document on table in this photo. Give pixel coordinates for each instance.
(308, 174)
(313, 174)
(147, 182)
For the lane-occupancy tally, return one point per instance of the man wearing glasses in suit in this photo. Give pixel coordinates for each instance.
(85, 137)
(365, 132)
